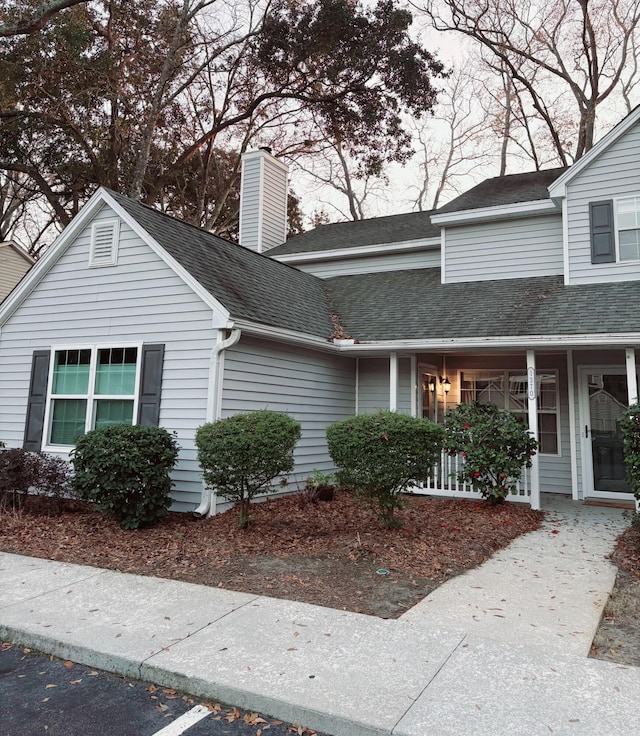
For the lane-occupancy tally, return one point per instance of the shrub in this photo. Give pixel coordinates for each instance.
(125, 471)
(381, 454)
(242, 454)
(22, 471)
(630, 428)
(495, 445)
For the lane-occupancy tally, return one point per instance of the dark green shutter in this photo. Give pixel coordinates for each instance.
(37, 402)
(150, 385)
(603, 242)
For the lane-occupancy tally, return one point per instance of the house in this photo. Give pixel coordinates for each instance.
(525, 291)
(14, 263)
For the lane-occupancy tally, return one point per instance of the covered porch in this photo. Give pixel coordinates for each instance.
(571, 398)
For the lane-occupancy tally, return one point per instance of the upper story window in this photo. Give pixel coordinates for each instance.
(615, 230)
(628, 227)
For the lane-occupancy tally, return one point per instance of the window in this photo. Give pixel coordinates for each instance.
(508, 390)
(90, 388)
(628, 227)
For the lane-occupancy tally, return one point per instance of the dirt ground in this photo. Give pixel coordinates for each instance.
(334, 554)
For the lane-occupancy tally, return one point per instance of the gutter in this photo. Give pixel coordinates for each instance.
(208, 503)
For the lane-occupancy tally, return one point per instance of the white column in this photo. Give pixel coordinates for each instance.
(632, 380)
(533, 426)
(573, 423)
(393, 381)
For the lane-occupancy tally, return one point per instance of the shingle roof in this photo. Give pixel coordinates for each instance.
(250, 285)
(502, 190)
(376, 231)
(415, 305)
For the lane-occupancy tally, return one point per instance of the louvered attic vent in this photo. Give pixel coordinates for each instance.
(104, 243)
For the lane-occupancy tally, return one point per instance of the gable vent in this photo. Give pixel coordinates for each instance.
(104, 243)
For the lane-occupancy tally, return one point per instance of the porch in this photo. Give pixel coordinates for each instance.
(571, 399)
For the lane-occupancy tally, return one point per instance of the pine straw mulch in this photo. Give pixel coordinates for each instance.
(332, 553)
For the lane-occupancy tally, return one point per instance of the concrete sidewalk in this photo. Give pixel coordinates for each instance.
(449, 666)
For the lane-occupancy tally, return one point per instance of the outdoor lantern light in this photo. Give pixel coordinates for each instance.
(432, 385)
(446, 384)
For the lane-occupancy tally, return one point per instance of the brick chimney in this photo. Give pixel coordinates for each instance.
(263, 201)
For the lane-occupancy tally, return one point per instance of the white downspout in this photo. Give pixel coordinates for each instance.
(214, 407)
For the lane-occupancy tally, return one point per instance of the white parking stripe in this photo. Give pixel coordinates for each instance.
(188, 719)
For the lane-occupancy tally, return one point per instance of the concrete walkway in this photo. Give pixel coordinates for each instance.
(499, 651)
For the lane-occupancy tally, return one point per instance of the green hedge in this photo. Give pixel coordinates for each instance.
(125, 470)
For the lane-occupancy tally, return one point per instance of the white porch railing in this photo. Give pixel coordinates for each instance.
(444, 482)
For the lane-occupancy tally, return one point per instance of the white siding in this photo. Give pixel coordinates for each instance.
(615, 173)
(325, 269)
(263, 209)
(373, 385)
(250, 208)
(274, 216)
(528, 246)
(315, 388)
(12, 268)
(139, 300)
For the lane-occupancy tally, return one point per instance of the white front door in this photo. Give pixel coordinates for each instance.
(604, 399)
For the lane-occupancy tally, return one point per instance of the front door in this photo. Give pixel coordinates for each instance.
(604, 401)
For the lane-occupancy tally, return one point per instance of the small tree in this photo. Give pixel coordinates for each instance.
(495, 445)
(242, 454)
(125, 471)
(630, 428)
(381, 454)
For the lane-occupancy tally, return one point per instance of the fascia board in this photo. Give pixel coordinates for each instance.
(558, 188)
(283, 335)
(359, 251)
(515, 341)
(501, 212)
(51, 256)
(221, 312)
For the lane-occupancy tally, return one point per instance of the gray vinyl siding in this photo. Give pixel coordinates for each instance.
(12, 268)
(325, 269)
(615, 173)
(250, 210)
(373, 385)
(274, 215)
(314, 388)
(404, 385)
(528, 246)
(139, 300)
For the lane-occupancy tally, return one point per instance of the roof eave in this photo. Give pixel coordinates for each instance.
(359, 251)
(500, 212)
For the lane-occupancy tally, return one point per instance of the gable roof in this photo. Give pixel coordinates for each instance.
(354, 234)
(10, 245)
(250, 285)
(414, 305)
(504, 190)
(559, 187)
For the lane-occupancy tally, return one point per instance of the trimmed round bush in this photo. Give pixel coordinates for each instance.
(242, 454)
(125, 470)
(381, 454)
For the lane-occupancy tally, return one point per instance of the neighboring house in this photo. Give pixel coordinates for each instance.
(524, 291)
(14, 263)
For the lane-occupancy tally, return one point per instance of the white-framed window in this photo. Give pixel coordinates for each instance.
(507, 389)
(90, 387)
(628, 228)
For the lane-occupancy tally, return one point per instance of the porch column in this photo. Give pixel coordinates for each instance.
(414, 386)
(393, 381)
(632, 381)
(532, 394)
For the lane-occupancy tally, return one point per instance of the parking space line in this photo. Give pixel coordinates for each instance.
(186, 720)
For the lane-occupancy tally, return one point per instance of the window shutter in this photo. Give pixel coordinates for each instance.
(150, 385)
(34, 424)
(603, 242)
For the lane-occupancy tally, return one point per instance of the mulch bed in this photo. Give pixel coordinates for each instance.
(335, 553)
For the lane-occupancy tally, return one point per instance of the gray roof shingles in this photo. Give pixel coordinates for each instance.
(503, 190)
(376, 231)
(250, 285)
(415, 305)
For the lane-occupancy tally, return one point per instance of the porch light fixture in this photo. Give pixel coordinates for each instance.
(432, 385)
(446, 384)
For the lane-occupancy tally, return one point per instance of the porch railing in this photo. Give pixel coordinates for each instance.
(444, 482)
